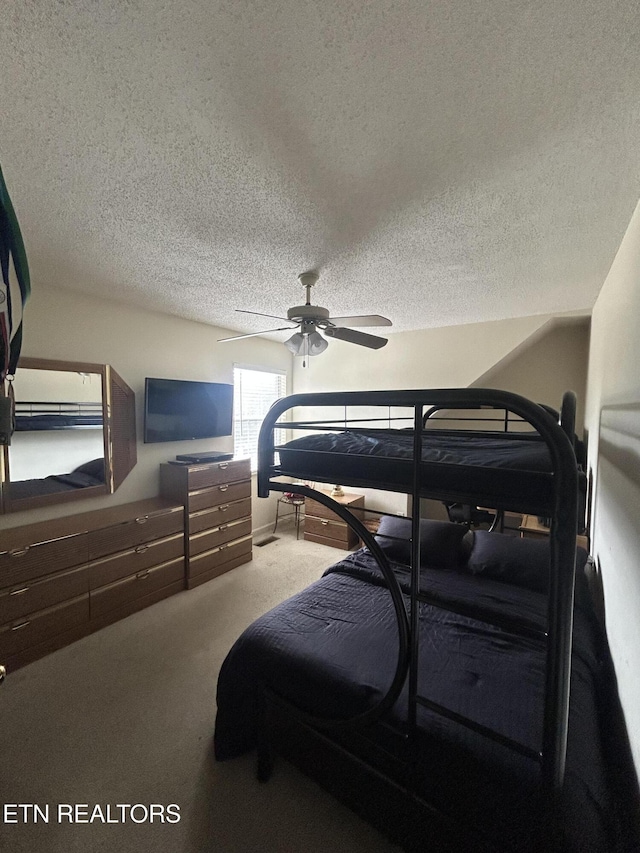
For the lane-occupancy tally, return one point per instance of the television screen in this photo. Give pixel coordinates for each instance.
(176, 409)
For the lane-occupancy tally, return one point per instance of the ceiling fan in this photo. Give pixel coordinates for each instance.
(309, 318)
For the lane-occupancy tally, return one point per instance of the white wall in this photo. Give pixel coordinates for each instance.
(553, 361)
(445, 357)
(613, 423)
(62, 324)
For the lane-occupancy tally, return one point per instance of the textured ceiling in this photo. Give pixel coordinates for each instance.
(437, 162)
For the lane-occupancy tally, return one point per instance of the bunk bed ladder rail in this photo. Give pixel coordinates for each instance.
(415, 572)
(404, 652)
(414, 698)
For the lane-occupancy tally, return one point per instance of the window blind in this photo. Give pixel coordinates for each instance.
(255, 392)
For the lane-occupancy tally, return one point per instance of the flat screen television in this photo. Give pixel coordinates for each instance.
(178, 410)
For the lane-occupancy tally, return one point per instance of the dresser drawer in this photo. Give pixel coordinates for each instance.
(134, 560)
(222, 494)
(135, 531)
(50, 644)
(116, 595)
(221, 514)
(37, 595)
(220, 472)
(133, 605)
(208, 539)
(218, 557)
(23, 633)
(42, 558)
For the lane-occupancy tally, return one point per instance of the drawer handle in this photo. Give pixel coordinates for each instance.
(21, 625)
(223, 527)
(223, 488)
(140, 549)
(223, 507)
(223, 465)
(222, 547)
(143, 575)
(19, 591)
(141, 519)
(324, 522)
(19, 552)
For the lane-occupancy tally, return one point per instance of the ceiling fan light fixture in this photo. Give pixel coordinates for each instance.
(295, 343)
(308, 343)
(317, 343)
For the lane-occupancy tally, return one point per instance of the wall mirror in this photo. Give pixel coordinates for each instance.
(74, 436)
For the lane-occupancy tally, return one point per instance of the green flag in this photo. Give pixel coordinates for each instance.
(15, 285)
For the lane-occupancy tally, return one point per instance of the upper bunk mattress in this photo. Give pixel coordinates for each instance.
(505, 471)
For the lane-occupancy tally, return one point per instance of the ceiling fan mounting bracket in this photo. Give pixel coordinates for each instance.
(308, 279)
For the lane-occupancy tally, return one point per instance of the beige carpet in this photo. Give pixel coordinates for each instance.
(126, 716)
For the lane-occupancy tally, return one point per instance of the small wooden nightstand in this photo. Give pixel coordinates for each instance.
(532, 528)
(322, 525)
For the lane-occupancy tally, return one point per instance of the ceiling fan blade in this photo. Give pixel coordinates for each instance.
(353, 337)
(253, 334)
(361, 320)
(260, 314)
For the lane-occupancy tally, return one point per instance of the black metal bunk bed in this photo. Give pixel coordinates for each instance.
(31, 416)
(536, 473)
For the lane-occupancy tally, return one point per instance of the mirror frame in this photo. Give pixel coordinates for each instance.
(118, 427)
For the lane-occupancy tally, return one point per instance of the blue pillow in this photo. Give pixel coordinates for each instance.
(443, 545)
(94, 468)
(522, 562)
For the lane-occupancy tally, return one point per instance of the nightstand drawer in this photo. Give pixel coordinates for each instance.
(224, 493)
(38, 595)
(325, 540)
(207, 539)
(220, 472)
(135, 560)
(325, 527)
(38, 627)
(221, 514)
(350, 502)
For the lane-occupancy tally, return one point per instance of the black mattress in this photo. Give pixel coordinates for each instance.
(331, 650)
(32, 423)
(510, 471)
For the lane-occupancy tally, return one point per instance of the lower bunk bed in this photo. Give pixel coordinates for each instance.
(300, 679)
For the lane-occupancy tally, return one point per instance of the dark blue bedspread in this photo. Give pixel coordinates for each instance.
(331, 650)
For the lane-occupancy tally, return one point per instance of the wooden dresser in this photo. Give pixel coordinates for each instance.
(322, 525)
(217, 501)
(64, 578)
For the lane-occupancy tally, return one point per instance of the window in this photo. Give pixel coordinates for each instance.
(255, 391)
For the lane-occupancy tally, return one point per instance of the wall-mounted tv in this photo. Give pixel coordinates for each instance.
(177, 410)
